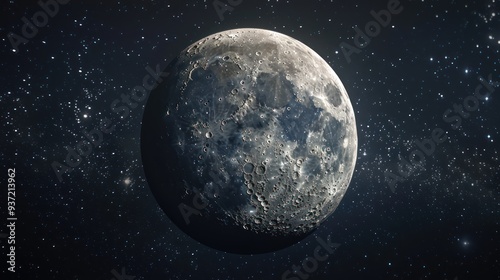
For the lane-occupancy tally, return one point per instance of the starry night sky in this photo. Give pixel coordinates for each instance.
(441, 222)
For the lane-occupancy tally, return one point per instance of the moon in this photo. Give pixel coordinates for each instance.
(250, 143)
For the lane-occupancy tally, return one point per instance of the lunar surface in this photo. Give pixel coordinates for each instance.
(250, 143)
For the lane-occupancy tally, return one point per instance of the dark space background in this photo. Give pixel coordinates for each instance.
(440, 223)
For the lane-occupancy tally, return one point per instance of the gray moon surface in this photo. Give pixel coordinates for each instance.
(250, 143)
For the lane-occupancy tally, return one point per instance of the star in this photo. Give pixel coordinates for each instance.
(127, 181)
